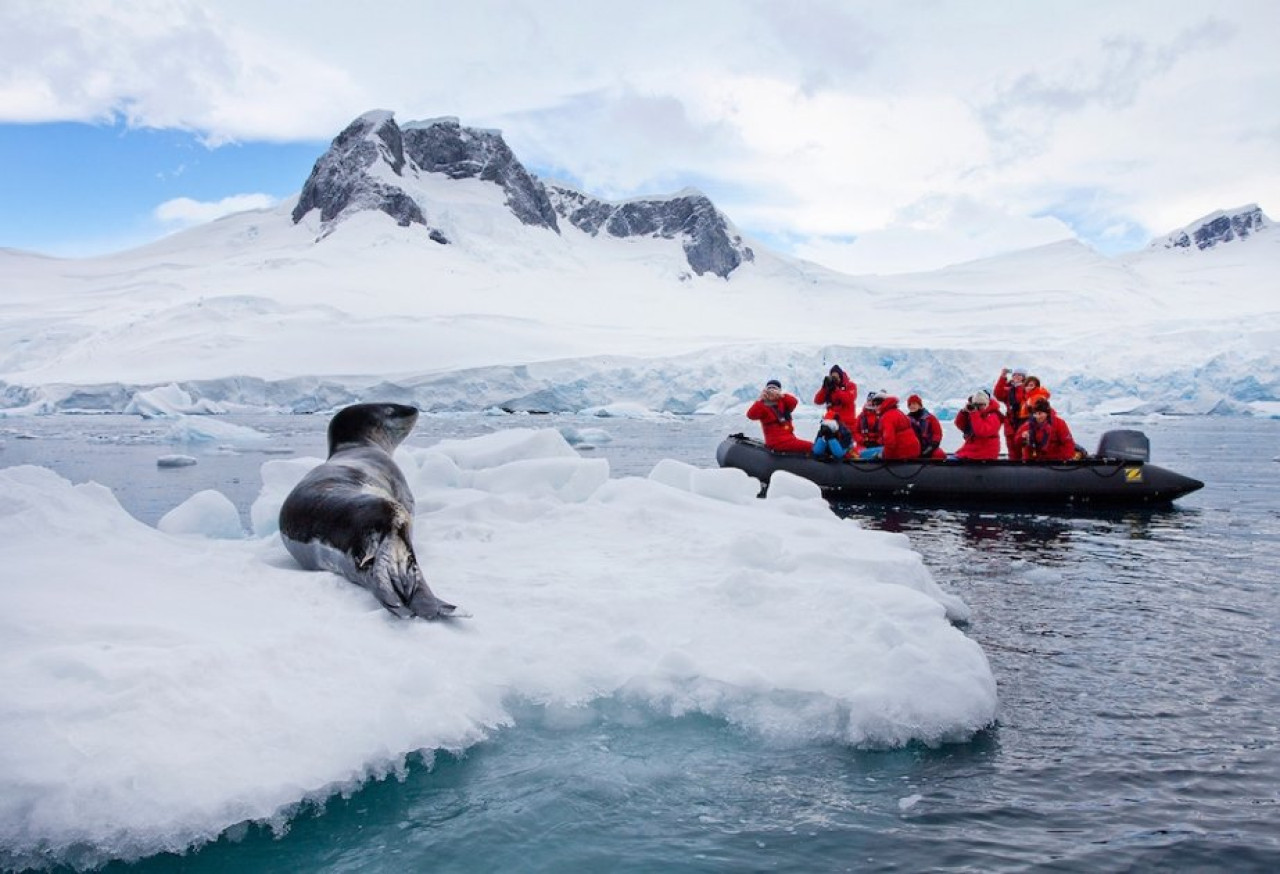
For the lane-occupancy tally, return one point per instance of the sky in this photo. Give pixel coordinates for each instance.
(869, 137)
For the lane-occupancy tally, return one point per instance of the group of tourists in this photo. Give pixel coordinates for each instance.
(1018, 407)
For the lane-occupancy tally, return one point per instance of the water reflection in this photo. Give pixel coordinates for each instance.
(1037, 533)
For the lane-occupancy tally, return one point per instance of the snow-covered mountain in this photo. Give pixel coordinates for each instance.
(424, 263)
(374, 164)
(1216, 229)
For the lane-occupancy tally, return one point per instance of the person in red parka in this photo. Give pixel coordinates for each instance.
(1035, 392)
(773, 411)
(897, 435)
(1011, 392)
(1046, 436)
(840, 395)
(981, 423)
(928, 428)
(866, 429)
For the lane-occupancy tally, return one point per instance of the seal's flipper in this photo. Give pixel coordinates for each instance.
(397, 581)
(428, 606)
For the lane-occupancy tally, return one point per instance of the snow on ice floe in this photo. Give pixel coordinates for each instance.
(160, 688)
(207, 513)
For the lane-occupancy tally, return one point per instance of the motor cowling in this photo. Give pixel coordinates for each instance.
(1126, 445)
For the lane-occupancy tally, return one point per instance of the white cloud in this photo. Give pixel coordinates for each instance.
(184, 212)
(165, 65)
(934, 232)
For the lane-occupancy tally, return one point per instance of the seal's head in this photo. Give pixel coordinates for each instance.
(384, 425)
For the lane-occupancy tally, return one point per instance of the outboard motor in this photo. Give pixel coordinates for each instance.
(1125, 446)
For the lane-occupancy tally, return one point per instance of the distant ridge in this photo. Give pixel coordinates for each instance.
(1216, 229)
(369, 163)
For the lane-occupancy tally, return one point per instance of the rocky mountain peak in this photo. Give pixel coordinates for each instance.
(345, 179)
(445, 146)
(710, 245)
(370, 164)
(1216, 229)
(364, 165)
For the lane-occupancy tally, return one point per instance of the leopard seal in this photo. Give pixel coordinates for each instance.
(353, 514)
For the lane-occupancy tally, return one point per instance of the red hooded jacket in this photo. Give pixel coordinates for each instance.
(928, 432)
(981, 432)
(842, 401)
(896, 433)
(1014, 398)
(775, 421)
(1051, 441)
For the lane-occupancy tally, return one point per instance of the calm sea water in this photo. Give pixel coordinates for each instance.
(1137, 656)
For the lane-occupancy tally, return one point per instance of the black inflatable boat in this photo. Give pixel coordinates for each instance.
(1118, 475)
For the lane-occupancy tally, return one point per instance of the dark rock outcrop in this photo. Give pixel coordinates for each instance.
(709, 245)
(445, 146)
(361, 169)
(1218, 228)
(341, 180)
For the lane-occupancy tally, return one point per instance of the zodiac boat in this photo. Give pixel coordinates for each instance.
(1118, 475)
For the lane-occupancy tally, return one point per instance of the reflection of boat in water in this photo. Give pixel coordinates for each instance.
(1118, 475)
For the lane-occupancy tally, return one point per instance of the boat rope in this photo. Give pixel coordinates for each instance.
(894, 470)
(1107, 471)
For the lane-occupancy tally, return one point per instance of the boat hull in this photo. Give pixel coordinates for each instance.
(1088, 483)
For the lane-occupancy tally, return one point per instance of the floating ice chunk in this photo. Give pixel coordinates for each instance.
(501, 447)
(170, 400)
(673, 473)
(188, 429)
(624, 410)
(1270, 409)
(175, 461)
(788, 485)
(585, 437)
(1044, 575)
(1119, 406)
(723, 484)
(209, 513)
(909, 802)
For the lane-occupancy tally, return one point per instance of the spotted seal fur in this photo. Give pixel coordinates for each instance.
(353, 515)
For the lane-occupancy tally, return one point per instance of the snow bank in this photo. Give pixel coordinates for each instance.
(161, 688)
